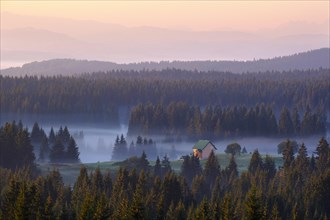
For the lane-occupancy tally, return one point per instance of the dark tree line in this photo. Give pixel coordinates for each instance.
(56, 147)
(16, 150)
(180, 118)
(18, 147)
(297, 190)
(100, 96)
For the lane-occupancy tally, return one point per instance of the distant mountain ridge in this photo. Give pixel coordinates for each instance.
(314, 59)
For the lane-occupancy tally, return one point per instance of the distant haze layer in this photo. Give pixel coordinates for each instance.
(314, 59)
(236, 32)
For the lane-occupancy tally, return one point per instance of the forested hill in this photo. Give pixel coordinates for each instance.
(313, 59)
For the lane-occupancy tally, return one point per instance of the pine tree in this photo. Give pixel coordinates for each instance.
(253, 204)
(57, 153)
(66, 136)
(143, 162)
(158, 168)
(87, 210)
(137, 209)
(288, 155)
(231, 170)
(44, 149)
(51, 137)
(202, 211)
(24, 149)
(180, 211)
(72, 153)
(101, 209)
(226, 208)
(166, 165)
(256, 162)
(120, 150)
(35, 133)
(269, 167)
(322, 159)
(22, 210)
(302, 159)
(97, 184)
(211, 170)
(285, 124)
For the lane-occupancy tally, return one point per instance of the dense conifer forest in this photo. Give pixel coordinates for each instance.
(101, 96)
(215, 122)
(297, 190)
(169, 102)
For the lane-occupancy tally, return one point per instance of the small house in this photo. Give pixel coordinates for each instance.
(203, 148)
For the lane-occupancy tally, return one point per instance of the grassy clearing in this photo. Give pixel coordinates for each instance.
(70, 172)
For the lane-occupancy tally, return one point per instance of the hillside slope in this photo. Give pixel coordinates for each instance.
(313, 59)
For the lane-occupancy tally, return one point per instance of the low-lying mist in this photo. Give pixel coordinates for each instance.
(97, 144)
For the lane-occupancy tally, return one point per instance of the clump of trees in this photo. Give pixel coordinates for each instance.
(297, 190)
(281, 146)
(180, 118)
(59, 147)
(121, 150)
(233, 148)
(18, 148)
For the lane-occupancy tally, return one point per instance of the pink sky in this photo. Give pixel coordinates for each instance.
(195, 15)
(134, 31)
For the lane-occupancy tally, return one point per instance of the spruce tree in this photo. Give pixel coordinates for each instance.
(285, 124)
(51, 137)
(231, 170)
(72, 153)
(323, 154)
(120, 150)
(253, 204)
(166, 165)
(57, 153)
(137, 209)
(288, 155)
(211, 170)
(256, 162)
(158, 168)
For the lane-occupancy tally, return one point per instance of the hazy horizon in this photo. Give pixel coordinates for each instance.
(126, 32)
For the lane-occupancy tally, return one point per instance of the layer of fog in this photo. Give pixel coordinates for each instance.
(97, 143)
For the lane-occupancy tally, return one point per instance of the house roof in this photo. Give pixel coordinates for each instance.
(201, 144)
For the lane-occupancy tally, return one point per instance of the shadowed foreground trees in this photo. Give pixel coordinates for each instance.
(17, 150)
(298, 191)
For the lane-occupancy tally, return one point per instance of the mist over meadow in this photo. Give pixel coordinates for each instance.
(97, 142)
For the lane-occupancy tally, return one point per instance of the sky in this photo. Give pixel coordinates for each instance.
(194, 15)
(136, 31)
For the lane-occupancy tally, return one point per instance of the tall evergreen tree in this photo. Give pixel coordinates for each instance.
(211, 170)
(231, 170)
(57, 153)
(158, 168)
(256, 162)
(253, 204)
(296, 121)
(323, 155)
(288, 155)
(51, 138)
(166, 165)
(285, 124)
(72, 153)
(120, 150)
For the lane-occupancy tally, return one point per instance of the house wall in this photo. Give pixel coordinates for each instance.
(207, 150)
